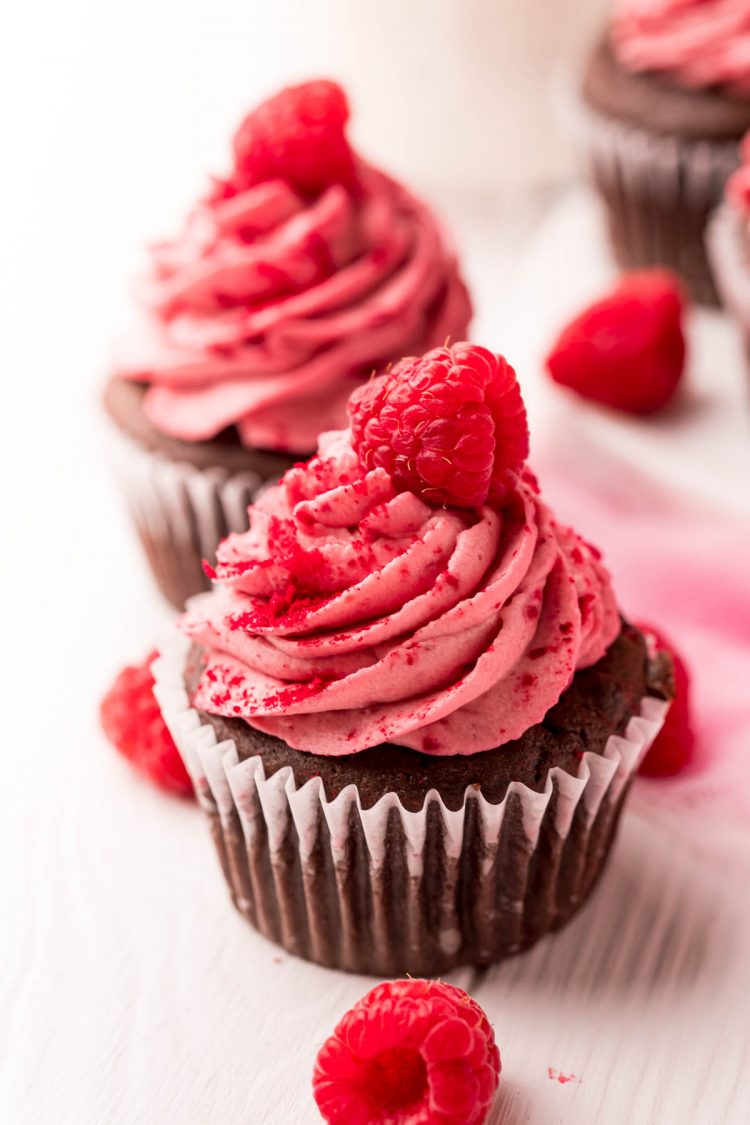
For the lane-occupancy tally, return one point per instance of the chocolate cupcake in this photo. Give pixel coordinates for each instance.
(728, 242)
(663, 104)
(295, 278)
(410, 707)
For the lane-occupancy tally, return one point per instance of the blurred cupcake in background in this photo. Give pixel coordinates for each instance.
(728, 242)
(659, 114)
(295, 277)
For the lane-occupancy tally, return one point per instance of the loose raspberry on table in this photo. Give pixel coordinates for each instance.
(449, 426)
(627, 350)
(297, 136)
(674, 745)
(409, 1051)
(132, 722)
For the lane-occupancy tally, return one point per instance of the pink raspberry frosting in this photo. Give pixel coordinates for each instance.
(351, 614)
(698, 43)
(270, 306)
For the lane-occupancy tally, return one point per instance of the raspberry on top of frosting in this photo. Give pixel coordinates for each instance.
(298, 136)
(447, 425)
(300, 273)
(354, 613)
(697, 43)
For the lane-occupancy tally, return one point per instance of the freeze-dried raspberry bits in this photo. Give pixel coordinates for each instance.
(409, 1051)
(449, 426)
(627, 350)
(297, 136)
(132, 722)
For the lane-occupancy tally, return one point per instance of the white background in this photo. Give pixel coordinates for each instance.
(129, 991)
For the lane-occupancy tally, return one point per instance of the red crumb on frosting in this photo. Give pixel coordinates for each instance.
(627, 350)
(674, 745)
(286, 609)
(448, 426)
(132, 722)
(288, 697)
(298, 136)
(410, 1050)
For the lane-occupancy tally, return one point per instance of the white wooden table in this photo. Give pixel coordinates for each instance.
(130, 992)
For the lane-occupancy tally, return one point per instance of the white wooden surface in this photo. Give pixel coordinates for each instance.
(130, 992)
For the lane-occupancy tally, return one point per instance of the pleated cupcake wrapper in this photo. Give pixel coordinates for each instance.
(728, 242)
(181, 512)
(386, 890)
(659, 189)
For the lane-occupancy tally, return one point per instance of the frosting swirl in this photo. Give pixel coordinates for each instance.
(271, 304)
(698, 43)
(351, 614)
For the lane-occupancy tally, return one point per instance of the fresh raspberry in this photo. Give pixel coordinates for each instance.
(448, 426)
(409, 1051)
(297, 136)
(628, 349)
(673, 748)
(133, 724)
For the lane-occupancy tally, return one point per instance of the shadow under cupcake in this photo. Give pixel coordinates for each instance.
(410, 707)
(295, 278)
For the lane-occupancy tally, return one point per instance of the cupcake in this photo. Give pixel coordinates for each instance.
(410, 707)
(728, 242)
(663, 104)
(294, 278)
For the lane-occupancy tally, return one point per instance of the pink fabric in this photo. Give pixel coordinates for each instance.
(690, 575)
(352, 614)
(698, 43)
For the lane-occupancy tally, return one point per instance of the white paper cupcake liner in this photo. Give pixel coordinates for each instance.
(659, 190)
(727, 241)
(385, 890)
(181, 512)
